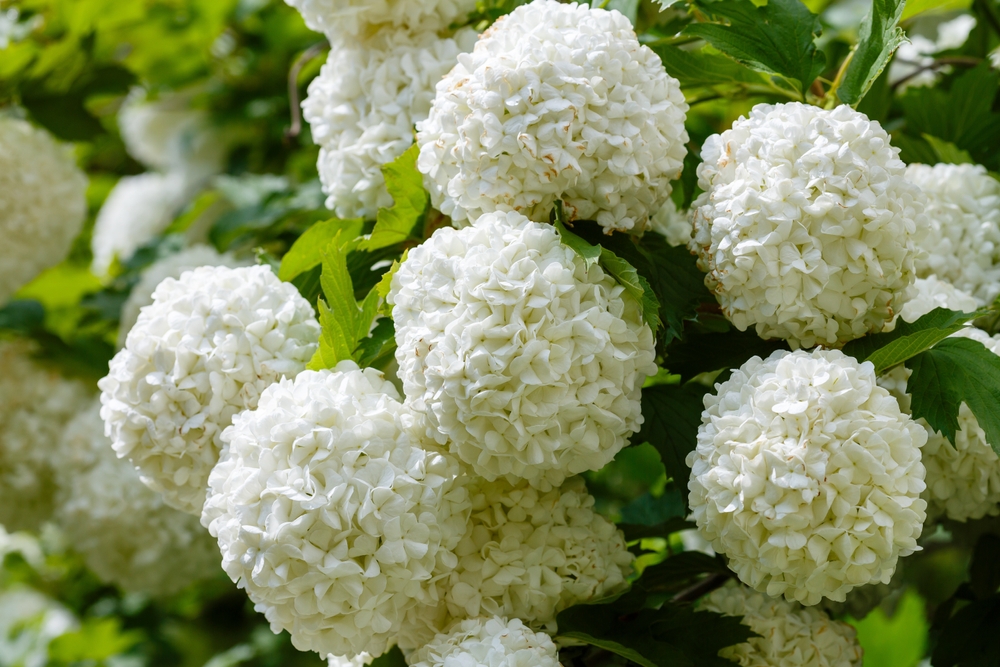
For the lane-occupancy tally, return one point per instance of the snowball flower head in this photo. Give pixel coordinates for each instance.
(673, 225)
(529, 364)
(125, 532)
(807, 476)
(171, 266)
(363, 105)
(806, 226)
(205, 349)
(169, 134)
(963, 240)
(330, 513)
(557, 101)
(136, 211)
(495, 642)
(526, 554)
(932, 292)
(342, 20)
(42, 203)
(790, 635)
(35, 404)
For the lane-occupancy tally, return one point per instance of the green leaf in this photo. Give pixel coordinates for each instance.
(97, 639)
(878, 38)
(589, 253)
(307, 251)
(969, 638)
(708, 352)
(778, 38)
(410, 203)
(377, 347)
(915, 7)
(956, 371)
(392, 658)
(629, 8)
(335, 342)
(907, 340)
(636, 285)
(672, 415)
(698, 68)
(629, 654)
(22, 315)
(947, 151)
(647, 510)
(385, 284)
(338, 311)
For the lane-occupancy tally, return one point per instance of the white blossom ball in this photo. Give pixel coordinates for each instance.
(556, 102)
(671, 224)
(526, 554)
(170, 134)
(488, 642)
(527, 363)
(790, 635)
(171, 266)
(331, 513)
(42, 203)
(35, 404)
(962, 242)
(932, 292)
(360, 660)
(137, 210)
(125, 532)
(362, 108)
(346, 20)
(205, 349)
(806, 226)
(807, 475)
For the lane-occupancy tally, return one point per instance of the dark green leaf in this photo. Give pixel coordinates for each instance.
(777, 38)
(708, 352)
(410, 203)
(907, 340)
(65, 116)
(22, 315)
(392, 658)
(984, 575)
(878, 39)
(307, 251)
(970, 638)
(698, 68)
(679, 571)
(672, 415)
(647, 510)
(956, 371)
(378, 346)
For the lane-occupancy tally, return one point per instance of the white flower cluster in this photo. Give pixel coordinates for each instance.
(351, 19)
(35, 404)
(807, 475)
(171, 266)
(526, 554)
(962, 242)
(527, 363)
(330, 512)
(363, 105)
(790, 635)
(136, 211)
(488, 642)
(125, 532)
(29, 621)
(671, 224)
(556, 102)
(42, 203)
(806, 226)
(202, 352)
(932, 292)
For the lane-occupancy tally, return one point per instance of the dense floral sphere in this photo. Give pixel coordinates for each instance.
(362, 108)
(125, 532)
(330, 513)
(171, 266)
(807, 475)
(527, 363)
(488, 642)
(526, 554)
(963, 239)
(205, 349)
(863, 600)
(342, 20)
(42, 203)
(671, 224)
(789, 635)
(136, 211)
(932, 292)
(36, 404)
(556, 102)
(170, 134)
(806, 226)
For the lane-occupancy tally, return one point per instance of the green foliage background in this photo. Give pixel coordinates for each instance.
(71, 73)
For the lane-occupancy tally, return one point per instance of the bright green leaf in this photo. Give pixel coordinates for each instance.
(947, 151)
(698, 68)
(636, 285)
(956, 371)
(915, 7)
(410, 203)
(589, 253)
(778, 38)
(97, 639)
(878, 39)
(307, 251)
(335, 341)
(385, 284)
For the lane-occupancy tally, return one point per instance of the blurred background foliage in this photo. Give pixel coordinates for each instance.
(68, 65)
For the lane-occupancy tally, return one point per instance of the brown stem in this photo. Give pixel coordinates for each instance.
(293, 86)
(964, 61)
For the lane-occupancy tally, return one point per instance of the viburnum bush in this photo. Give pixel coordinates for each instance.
(500, 333)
